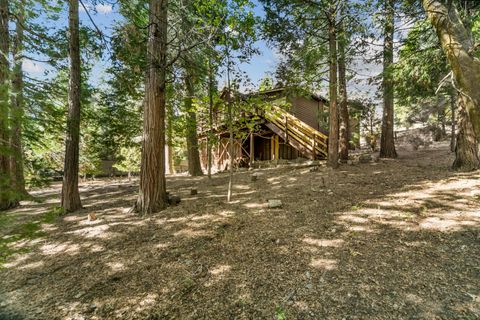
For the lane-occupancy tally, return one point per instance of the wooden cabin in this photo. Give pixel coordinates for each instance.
(282, 124)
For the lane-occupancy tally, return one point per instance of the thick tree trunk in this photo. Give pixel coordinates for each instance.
(333, 113)
(70, 194)
(458, 45)
(387, 141)
(454, 120)
(194, 165)
(8, 196)
(153, 194)
(343, 104)
(466, 150)
(18, 109)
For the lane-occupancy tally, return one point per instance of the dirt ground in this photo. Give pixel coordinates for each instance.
(395, 239)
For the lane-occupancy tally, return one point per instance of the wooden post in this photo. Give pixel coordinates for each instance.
(276, 147)
(272, 148)
(252, 149)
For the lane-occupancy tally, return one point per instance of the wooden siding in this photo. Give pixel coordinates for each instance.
(306, 110)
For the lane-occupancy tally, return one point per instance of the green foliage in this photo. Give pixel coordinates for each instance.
(418, 75)
(265, 84)
(476, 30)
(299, 31)
(280, 313)
(129, 160)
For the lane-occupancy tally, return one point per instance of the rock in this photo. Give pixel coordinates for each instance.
(193, 192)
(92, 216)
(350, 162)
(365, 158)
(274, 203)
(314, 169)
(173, 200)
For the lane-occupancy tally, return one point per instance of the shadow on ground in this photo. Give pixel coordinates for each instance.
(395, 239)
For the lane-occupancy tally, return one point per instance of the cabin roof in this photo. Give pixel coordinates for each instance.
(277, 92)
(286, 90)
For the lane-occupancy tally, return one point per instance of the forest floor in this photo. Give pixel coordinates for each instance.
(394, 239)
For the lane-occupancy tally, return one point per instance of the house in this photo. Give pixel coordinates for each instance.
(270, 125)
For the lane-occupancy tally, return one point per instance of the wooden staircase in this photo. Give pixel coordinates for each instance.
(297, 133)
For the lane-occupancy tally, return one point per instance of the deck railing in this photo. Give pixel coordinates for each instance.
(298, 133)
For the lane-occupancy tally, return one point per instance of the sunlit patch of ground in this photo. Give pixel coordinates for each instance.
(397, 239)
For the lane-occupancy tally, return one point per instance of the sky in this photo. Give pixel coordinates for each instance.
(106, 16)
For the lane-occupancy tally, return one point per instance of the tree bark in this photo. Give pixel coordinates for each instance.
(458, 45)
(333, 113)
(194, 165)
(152, 192)
(231, 150)
(171, 164)
(16, 164)
(343, 104)
(210, 117)
(387, 141)
(453, 129)
(70, 195)
(466, 150)
(8, 196)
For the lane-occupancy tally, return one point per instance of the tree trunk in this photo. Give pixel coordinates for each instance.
(194, 165)
(453, 133)
(8, 197)
(333, 113)
(70, 195)
(458, 45)
(387, 141)
(466, 150)
(210, 118)
(230, 129)
(443, 122)
(342, 81)
(152, 192)
(16, 164)
(171, 164)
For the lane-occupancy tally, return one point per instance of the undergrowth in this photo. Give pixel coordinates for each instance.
(23, 231)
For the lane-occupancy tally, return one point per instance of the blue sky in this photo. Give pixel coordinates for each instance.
(106, 16)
